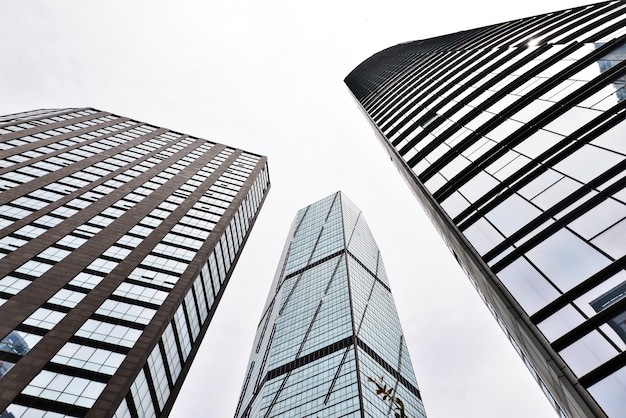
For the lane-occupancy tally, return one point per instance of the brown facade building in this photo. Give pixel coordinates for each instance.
(117, 239)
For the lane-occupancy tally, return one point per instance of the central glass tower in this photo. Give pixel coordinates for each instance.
(328, 325)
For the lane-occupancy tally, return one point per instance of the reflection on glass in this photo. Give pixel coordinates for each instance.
(611, 297)
(611, 59)
(5, 366)
(14, 343)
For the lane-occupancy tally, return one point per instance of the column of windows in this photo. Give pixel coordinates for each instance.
(101, 343)
(193, 313)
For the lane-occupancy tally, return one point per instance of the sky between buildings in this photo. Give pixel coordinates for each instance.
(268, 77)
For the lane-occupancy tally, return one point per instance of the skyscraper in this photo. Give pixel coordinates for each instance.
(328, 325)
(512, 138)
(117, 241)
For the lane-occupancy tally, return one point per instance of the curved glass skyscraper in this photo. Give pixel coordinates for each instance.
(512, 137)
(328, 325)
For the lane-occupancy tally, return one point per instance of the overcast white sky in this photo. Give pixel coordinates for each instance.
(268, 77)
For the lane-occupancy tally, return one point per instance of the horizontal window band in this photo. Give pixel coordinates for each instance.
(167, 257)
(368, 271)
(99, 344)
(333, 348)
(137, 302)
(536, 27)
(579, 290)
(462, 86)
(117, 321)
(31, 329)
(584, 207)
(606, 32)
(399, 96)
(603, 371)
(494, 122)
(77, 372)
(590, 26)
(5, 295)
(150, 285)
(428, 94)
(541, 164)
(48, 405)
(562, 222)
(10, 357)
(309, 358)
(589, 325)
(55, 307)
(389, 368)
(582, 14)
(314, 264)
(536, 123)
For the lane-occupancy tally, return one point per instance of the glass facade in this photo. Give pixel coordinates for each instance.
(512, 138)
(329, 323)
(117, 239)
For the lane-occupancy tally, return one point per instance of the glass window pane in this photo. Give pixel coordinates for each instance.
(512, 167)
(587, 301)
(571, 120)
(566, 259)
(610, 393)
(455, 166)
(561, 322)
(612, 139)
(512, 214)
(455, 204)
(613, 241)
(483, 236)
(555, 193)
(539, 184)
(527, 285)
(538, 143)
(588, 353)
(599, 218)
(478, 186)
(588, 162)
